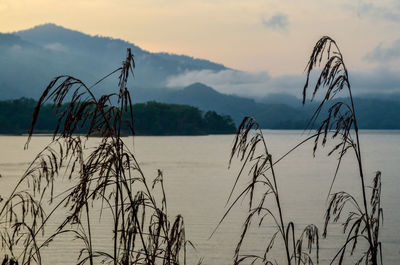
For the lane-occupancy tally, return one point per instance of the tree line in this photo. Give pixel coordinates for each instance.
(151, 118)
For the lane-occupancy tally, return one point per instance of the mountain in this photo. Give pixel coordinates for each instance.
(30, 59)
(371, 113)
(206, 98)
(395, 96)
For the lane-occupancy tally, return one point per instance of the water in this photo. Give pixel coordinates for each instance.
(198, 183)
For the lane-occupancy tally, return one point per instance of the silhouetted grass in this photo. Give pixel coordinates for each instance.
(109, 174)
(362, 223)
(251, 149)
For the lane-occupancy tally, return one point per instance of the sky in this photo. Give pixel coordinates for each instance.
(273, 38)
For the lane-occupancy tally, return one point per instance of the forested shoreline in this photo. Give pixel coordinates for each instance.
(151, 118)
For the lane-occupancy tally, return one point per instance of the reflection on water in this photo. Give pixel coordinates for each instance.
(198, 183)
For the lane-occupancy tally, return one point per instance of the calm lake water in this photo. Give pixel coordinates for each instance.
(198, 183)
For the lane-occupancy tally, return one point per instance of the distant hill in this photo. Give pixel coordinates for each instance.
(206, 98)
(274, 114)
(29, 59)
(377, 113)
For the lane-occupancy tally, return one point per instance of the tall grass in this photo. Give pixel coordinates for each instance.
(251, 149)
(363, 221)
(107, 176)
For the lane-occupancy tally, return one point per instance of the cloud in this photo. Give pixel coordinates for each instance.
(240, 83)
(381, 80)
(56, 47)
(378, 81)
(391, 13)
(276, 22)
(16, 48)
(258, 85)
(228, 77)
(384, 54)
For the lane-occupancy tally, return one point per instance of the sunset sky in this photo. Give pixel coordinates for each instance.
(252, 35)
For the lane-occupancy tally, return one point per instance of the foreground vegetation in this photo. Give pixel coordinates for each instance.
(151, 118)
(109, 177)
(363, 218)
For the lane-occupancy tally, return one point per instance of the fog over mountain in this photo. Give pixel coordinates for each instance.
(30, 59)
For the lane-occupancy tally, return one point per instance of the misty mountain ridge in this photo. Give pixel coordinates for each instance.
(273, 112)
(58, 38)
(49, 50)
(30, 59)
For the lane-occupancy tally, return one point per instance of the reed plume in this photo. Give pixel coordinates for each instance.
(106, 178)
(251, 149)
(363, 222)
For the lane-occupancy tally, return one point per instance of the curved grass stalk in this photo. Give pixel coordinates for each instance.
(341, 120)
(251, 149)
(109, 174)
